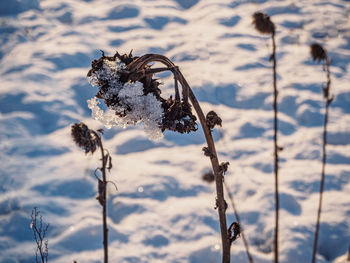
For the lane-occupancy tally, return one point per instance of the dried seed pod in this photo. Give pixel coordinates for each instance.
(208, 177)
(234, 231)
(212, 119)
(263, 24)
(318, 53)
(84, 137)
(207, 152)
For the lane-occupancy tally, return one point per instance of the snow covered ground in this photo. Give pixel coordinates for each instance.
(163, 211)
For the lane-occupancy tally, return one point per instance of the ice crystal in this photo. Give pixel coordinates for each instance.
(138, 108)
(108, 117)
(109, 74)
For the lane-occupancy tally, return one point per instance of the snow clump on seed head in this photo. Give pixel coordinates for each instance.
(133, 97)
(127, 104)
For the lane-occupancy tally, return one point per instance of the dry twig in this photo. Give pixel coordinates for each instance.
(318, 53)
(39, 232)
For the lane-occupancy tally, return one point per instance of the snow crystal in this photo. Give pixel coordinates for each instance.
(145, 109)
(108, 118)
(110, 73)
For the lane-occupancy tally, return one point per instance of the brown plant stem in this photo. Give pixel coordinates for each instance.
(245, 242)
(328, 102)
(104, 199)
(187, 93)
(276, 148)
(218, 180)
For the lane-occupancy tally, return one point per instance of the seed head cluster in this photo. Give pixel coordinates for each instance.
(318, 53)
(84, 137)
(263, 24)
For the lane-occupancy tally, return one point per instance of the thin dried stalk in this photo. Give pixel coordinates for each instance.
(276, 148)
(104, 159)
(90, 140)
(328, 99)
(264, 25)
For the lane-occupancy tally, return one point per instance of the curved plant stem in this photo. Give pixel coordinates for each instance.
(187, 93)
(218, 180)
(276, 148)
(245, 242)
(328, 102)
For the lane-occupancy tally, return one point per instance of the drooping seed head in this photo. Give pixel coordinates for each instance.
(263, 23)
(318, 53)
(84, 137)
(133, 94)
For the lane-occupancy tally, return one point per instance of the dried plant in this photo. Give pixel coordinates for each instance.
(39, 232)
(90, 140)
(264, 25)
(132, 95)
(318, 53)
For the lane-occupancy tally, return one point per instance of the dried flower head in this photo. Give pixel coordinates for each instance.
(263, 23)
(208, 177)
(132, 97)
(212, 119)
(178, 116)
(318, 53)
(84, 137)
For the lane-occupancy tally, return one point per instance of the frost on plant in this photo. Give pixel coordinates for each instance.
(131, 99)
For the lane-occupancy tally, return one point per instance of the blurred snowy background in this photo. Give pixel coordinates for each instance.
(163, 211)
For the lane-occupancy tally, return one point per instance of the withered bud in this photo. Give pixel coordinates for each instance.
(234, 231)
(263, 23)
(223, 167)
(217, 204)
(208, 177)
(84, 137)
(207, 152)
(318, 53)
(212, 119)
(101, 191)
